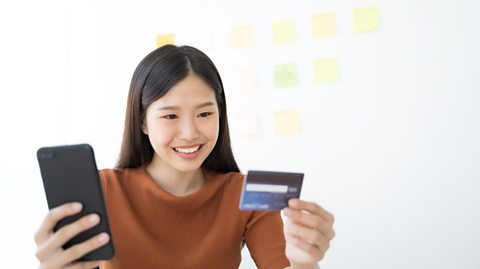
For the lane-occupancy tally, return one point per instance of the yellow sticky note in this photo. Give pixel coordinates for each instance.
(241, 36)
(324, 25)
(326, 70)
(164, 39)
(287, 122)
(366, 19)
(285, 75)
(284, 32)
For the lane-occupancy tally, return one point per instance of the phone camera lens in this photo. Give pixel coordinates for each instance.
(47, 155)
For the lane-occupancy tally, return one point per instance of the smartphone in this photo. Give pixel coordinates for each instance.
(70, 174)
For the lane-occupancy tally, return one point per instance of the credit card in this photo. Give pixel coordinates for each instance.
(267, 190)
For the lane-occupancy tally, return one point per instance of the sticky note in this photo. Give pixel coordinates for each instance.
(284, 32)
(241, 36)
(324, 25)
(285, 75)
(365, 19)
(247, 124)
(164, 39)
(247, 80)
(326, 70)
(287, 122)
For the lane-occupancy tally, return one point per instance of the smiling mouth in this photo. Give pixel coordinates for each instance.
(188, 150)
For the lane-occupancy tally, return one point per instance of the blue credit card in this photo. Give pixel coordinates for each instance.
(266, 190)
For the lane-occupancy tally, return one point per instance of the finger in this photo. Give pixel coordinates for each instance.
(66, 233)
(312, 208)
(75, 252)
(308, 235)
(53, 217)
(312, 250)
(83, 265)
(310, 221)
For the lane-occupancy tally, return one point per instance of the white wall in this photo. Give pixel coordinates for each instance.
(33, 68)
(392, 149)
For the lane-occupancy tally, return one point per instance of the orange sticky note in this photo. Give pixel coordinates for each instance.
(287, 122)
(366, 19)
(284, 32)
(164, 39)
(247, 124)
(324, 25)
(247, 80)
(241, 36)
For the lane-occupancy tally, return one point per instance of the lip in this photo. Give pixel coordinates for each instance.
(189, 146)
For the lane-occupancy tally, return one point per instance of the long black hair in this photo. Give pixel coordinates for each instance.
(154, 76)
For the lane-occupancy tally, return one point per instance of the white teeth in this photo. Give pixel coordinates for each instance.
(187, 150)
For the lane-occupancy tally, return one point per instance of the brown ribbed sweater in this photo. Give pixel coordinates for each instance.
(152, 228)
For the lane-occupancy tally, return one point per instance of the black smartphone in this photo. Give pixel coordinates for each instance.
(70, 174)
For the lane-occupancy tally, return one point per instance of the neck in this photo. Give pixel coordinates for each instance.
(176, 182)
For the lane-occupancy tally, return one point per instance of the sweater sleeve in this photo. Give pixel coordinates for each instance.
(265, 240)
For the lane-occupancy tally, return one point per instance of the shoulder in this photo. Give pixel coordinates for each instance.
(229, 180)
(111, 176)
(111, 173)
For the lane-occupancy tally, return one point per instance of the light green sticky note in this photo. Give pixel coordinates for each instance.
(284, 32)
(366, 19)
(285, 75)
(287, 122)
(241, 36)
(326, 70)
(323, 25)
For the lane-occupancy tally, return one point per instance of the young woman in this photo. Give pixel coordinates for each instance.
(173, 198)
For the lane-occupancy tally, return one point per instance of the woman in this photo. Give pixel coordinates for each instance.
(173, 197)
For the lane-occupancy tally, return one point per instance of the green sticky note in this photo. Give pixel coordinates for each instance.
(323, 25)
(285, 75)
(366, 19)
(326, 70)
(284, 32)
(287, 122)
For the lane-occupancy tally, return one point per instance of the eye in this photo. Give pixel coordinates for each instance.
(204, 114)
(170, 116)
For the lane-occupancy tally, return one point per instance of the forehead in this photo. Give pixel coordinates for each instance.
(188, 92)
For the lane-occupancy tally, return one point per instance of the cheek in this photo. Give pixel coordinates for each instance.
(211, 129)
(214, 130)
(160, 134)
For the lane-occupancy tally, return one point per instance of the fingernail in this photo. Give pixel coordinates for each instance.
(93, 218)
(76, 206)
(287, 212)
(103, 237)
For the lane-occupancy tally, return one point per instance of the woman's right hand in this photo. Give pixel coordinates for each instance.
(49, 243)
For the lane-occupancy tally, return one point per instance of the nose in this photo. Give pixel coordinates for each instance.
(188, 130)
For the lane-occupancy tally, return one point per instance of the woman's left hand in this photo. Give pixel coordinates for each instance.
(308, 230)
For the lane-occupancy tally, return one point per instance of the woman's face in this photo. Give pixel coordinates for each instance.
(183, 125)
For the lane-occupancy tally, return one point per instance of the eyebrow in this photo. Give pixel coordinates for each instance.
(205, 104)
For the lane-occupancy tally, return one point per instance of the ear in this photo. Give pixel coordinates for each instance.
(144, 127)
